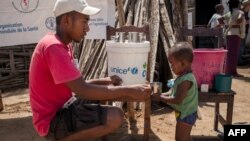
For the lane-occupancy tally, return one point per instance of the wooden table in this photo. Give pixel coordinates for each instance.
(218, 98)
(146, 112)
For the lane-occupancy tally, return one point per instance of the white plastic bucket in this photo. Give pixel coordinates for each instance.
(128, 60)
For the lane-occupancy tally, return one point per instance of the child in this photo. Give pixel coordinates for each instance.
(213, 22)
(184, 95)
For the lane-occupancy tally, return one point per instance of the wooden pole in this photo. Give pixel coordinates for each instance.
(166, 26)
(1, 101)
(121, 20)
(121, 15)
(177, 19)
(154, 34)
(185, 15)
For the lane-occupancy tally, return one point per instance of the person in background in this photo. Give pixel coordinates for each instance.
(214, 23)
(234, 32)
(184, 95)
(245, 8)
(53, 77)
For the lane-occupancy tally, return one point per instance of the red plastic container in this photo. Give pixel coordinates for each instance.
(206, 64)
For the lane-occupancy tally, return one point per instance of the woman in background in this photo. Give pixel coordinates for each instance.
(234, 32)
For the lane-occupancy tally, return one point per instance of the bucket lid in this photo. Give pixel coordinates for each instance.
(131, 44)
(117, 47)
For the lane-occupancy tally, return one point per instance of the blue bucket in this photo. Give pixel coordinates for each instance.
(223, 83)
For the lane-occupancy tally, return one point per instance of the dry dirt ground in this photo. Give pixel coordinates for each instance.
(16, 125)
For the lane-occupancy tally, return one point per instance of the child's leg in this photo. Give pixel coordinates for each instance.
(183, 131)
(184, 127)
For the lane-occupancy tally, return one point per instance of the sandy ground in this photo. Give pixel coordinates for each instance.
(16, 118)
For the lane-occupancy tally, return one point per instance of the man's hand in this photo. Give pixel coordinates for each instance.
(112, 80)
(140, 92)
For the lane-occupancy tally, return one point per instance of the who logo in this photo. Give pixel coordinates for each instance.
(25, 6)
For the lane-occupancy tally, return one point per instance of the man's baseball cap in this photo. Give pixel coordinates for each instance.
(81, 6)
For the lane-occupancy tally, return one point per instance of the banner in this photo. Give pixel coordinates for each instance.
(98, 23)
(27, 21)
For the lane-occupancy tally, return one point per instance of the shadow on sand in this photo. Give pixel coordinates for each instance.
(206, 138)
(18, 129)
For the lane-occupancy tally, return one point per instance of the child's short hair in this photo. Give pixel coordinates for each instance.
(182, 51)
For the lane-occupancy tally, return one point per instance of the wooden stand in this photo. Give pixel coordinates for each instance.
(147, 108)
(218, 98)
(1, 101)
(147, 123)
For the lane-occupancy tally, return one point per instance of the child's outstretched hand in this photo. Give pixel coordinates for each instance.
(159, 97)
(139, 92)
(168, 93)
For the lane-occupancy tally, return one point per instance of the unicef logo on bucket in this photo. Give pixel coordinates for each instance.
(118, 70)
(144, 72)
(134, 70)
